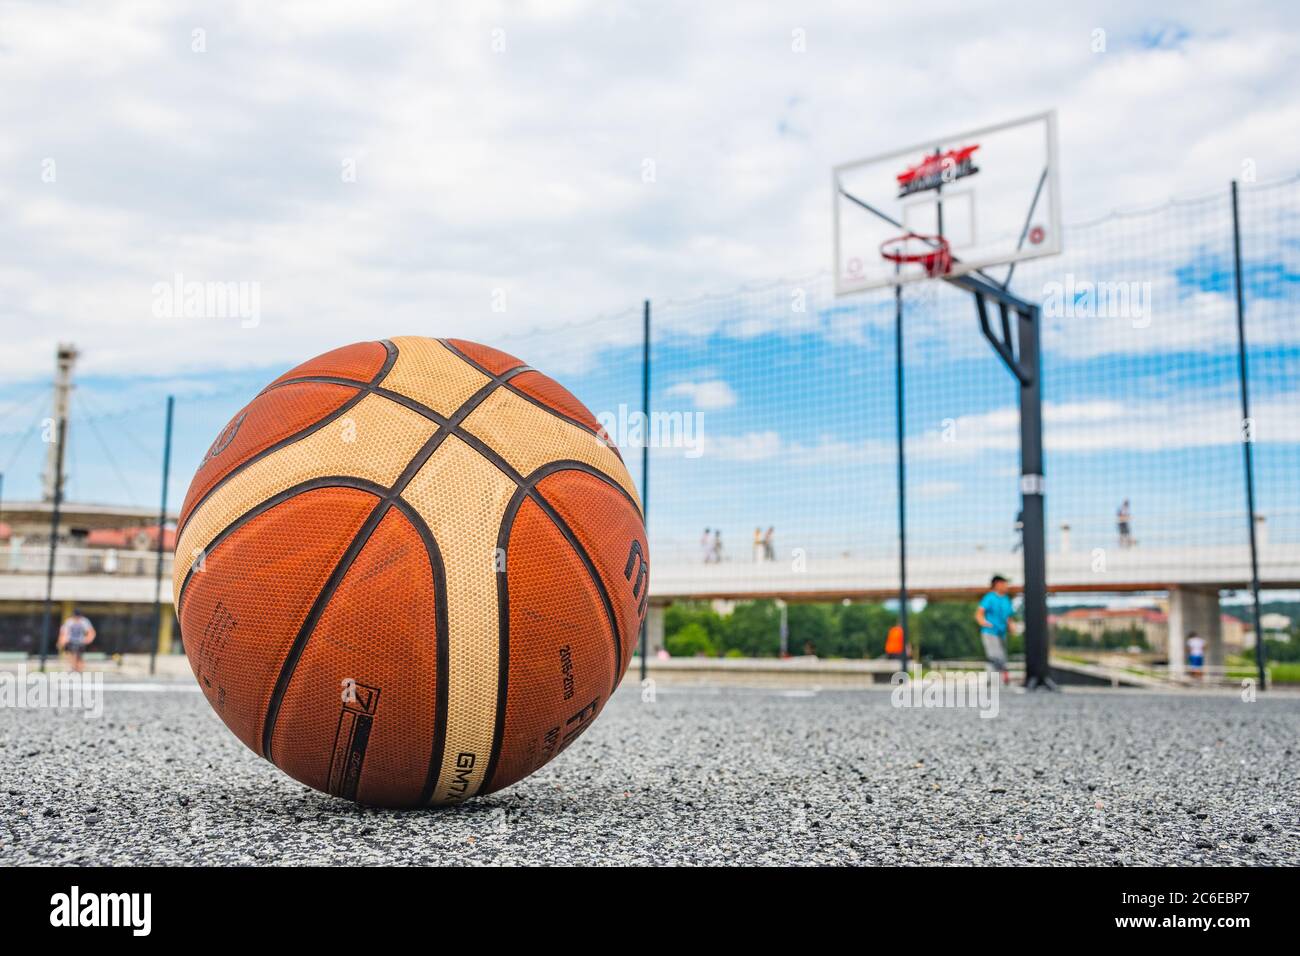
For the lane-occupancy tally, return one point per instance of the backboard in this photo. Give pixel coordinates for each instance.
(984, 198)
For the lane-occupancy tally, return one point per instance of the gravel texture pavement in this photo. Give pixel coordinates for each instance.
(699, 776)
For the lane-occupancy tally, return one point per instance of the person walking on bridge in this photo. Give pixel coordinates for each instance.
(1124, 523)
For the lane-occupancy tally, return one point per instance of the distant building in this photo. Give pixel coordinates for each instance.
(1097, 621)
(106, 566)
(1151, 622)
(139, 538)
(1275, 624)
(1277, 627)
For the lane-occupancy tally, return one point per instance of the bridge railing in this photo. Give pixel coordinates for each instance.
(35, 559)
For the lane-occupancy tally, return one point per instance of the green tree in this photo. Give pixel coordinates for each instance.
(947, 631)
(682, 613)
(753, 629)
(1129, 636)
(1070, 637)
(691, 641)
(863, 629)
(813, 624)
(1286, 650)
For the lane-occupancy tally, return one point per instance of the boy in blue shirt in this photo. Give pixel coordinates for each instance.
(993, 615)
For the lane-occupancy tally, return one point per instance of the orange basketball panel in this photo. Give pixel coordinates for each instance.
(561, 648)
(609, 528)
(270, 418)
(493, 360)
(360, 362)
(240, 614)
(357, 718)
(550, 393)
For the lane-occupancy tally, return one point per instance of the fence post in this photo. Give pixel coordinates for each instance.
(899, 412)
(645, 464)
(162, 536)
(54, 539)
(1247, 438)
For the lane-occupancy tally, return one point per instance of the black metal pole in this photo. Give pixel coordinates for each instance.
(1248, 439)
(902, 469)
(54, 540)
(645, 463)
(162, 534)
(1037, 669)
(1023, 359)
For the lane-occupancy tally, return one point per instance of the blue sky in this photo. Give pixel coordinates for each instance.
(498, 190)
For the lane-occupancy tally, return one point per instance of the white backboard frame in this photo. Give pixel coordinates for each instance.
(1002, 249)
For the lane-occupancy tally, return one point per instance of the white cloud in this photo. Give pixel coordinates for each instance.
(707, 396)
(523, 170)
(1068, 428)
(750, 447)
(931, 490)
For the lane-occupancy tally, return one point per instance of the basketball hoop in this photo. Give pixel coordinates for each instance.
(934, 254)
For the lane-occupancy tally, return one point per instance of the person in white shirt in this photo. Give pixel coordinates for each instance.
(1196, 655)
(76, 634)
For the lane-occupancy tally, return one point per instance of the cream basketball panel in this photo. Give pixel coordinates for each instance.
(528, 437)
(374, 441)
(433, 375)
(463, 498)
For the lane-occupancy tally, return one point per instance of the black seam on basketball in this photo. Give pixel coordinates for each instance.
(388, 393)
(592, 572)
(594, 432)
(528, 484)
(315, 379)
(329, 481)
(269, 449)
(359, 541)
(349, 556)
(534, 401)
(362, 390)
(527, 489)
(441, 629)
(563, 464)
(503, 635)
(390, 359)
(446, 343)
(569, 464)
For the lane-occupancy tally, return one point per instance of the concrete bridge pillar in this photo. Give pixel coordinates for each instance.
(1194, 610)
(654, 624)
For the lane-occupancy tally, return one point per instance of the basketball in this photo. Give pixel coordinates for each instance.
(410, 572)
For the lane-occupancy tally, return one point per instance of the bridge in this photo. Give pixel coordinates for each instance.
(99, 574)
(1191, 576)
(937, 577)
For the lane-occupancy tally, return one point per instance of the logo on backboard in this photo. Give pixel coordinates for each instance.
(350, 740)
(938, 169)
